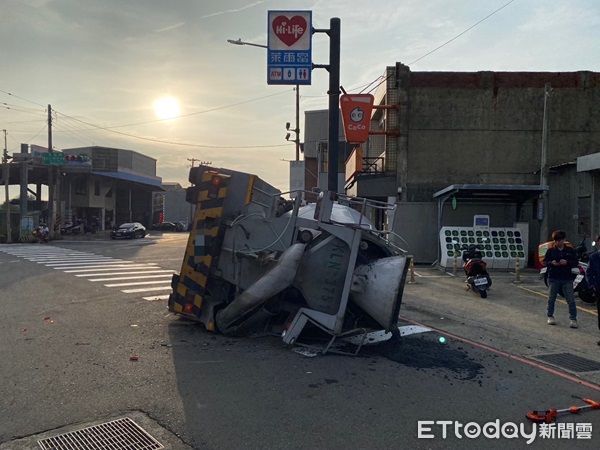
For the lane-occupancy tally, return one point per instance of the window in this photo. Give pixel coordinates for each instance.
(584, 216)
(323, 157)
(80, 186)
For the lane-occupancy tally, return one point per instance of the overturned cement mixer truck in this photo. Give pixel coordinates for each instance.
(257, 263)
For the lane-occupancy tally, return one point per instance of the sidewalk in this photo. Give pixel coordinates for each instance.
(512, 318)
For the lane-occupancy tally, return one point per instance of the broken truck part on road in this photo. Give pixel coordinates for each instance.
(257, 263)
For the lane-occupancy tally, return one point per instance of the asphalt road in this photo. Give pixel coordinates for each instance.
(66, 344)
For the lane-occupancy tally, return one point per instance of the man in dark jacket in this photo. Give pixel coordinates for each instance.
(560, 259)
(593, 277)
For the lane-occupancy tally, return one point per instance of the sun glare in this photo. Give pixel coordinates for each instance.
(166, 108)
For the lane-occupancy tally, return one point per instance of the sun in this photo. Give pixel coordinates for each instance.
(166, 107)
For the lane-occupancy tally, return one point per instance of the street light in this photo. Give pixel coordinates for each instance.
(239, 41)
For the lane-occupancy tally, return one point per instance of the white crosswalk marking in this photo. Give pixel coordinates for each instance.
(107, 266)
(167, 275)
(156, 297)
(99, 268)
(135, 283)
(161, 288)
(83, 264)
(104, 274)
(104, 269)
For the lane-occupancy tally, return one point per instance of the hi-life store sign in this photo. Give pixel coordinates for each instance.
(289, 54)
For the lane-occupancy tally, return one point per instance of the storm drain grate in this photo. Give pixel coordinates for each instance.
(570, 362)
(115, 435)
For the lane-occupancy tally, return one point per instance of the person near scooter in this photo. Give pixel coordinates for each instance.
(560, 259)
(593, 276)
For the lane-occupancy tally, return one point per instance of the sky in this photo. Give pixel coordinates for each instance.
(103, 64)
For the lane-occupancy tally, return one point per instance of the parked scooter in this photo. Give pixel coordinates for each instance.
(580, 284)
(478, 278)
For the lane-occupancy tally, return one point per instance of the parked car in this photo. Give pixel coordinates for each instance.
(165, 226)
(129, 231)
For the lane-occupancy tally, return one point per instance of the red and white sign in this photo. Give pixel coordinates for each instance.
(289, 30)
(289, 48)
(356, 115)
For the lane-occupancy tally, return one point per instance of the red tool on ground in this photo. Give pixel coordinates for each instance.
(550, 415)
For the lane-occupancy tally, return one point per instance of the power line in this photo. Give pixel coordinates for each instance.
(21, 107)
(36, 135)
(110, 130)
(22, 98)
(447, 42)
(11, 108)
(460, 34)
(216, 108)
(160, 141)
(25, 121)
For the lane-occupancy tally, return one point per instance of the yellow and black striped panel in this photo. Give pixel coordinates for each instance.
(202, 250)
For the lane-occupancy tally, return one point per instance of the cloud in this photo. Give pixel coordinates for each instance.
(170, 27)
(230, 11)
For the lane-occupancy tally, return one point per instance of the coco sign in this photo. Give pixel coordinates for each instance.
(356, 115)
(289, 55)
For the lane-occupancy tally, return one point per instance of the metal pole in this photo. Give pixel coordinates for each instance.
(130, 212)
(23, 190)
(544, 166)
(334, 103)
(50, 178)
(297, 122)
(6, 168)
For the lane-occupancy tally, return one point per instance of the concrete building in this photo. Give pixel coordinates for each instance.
(174, 207)
(97, 186)
(116, 187)
(452, 135)
(314, 147)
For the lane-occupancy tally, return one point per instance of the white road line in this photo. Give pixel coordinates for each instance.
(135, 283)
(133, 291)
(112, 268)
(67, 258)
(157, 297)
(80, 261)
(56, 254)
(48, 254)
(133, 278)
(97, 263)
(123, 273)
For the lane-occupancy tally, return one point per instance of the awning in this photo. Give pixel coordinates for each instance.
(588, 163)
(497, 193)
(491, 192)
(154, 182)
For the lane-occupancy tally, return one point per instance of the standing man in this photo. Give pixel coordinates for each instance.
(593, 277)
(560, 259)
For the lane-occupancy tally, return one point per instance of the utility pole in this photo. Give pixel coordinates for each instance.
(6, 169)
(544, 167)
(51, 212)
